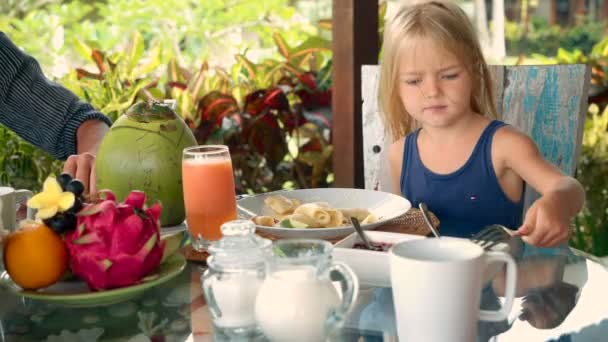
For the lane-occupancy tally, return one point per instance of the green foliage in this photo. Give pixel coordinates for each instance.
(124, 62)
(22, 165)
(591, 232)
(190, 31)
(48, 32)
(255, 108)
(546, 40)
(119, 77)
(19, 8)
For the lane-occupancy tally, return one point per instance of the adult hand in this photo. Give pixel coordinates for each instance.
(82, 167)
(545, 224)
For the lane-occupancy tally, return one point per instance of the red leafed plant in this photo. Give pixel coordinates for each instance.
(273, 115)
(270, 114)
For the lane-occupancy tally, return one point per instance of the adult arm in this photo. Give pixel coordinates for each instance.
(42, 112)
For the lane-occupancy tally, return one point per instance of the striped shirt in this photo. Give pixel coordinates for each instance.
(40, 111)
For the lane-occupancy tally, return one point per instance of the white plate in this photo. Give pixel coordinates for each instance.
(372, 268)
(384, 205)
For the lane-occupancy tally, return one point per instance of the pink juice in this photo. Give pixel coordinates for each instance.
(209, 195)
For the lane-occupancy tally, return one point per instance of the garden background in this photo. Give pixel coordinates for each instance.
(257, 76)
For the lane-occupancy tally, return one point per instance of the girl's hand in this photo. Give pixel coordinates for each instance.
(546, 224)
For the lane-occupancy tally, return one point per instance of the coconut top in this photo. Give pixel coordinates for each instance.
(150, 111)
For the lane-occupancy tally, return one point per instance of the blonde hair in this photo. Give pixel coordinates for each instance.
(446, 24)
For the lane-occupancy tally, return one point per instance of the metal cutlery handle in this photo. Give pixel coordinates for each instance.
(361, 233)
(424, 210)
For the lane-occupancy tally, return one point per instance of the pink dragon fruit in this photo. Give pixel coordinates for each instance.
(116, 244)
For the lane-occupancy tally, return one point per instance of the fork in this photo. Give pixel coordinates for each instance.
(491, 236)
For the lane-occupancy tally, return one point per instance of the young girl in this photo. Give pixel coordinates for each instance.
(449, 151)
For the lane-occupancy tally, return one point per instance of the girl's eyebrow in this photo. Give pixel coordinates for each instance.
(409, 73)
(449, 67)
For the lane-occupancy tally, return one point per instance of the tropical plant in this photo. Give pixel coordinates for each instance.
(119, 78)
(591, 232)
(189, 31)
(541, 38)
(22, 165)
(256, 109)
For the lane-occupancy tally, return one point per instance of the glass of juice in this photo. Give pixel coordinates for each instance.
(209, 195)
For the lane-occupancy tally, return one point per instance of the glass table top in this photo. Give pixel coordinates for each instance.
(560, 297)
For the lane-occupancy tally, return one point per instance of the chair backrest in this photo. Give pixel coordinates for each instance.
(547, 102)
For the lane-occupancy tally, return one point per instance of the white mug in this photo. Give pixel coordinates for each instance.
(436, 286)
(9, 204)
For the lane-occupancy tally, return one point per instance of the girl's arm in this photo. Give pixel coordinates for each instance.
(395, 160)
(547, 222)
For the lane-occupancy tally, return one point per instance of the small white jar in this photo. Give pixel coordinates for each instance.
(236, 270)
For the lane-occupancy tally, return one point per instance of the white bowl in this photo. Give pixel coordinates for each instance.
(385, 206)
(372, 267)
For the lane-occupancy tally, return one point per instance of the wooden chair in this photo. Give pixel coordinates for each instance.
(547, 102)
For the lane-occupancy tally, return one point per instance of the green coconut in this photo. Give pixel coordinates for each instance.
(143, 151)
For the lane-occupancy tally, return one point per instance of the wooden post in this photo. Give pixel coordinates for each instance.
(552, 12)
(355, 42)
(581, 7)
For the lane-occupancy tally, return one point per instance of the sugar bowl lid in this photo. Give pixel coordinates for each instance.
(239, 246)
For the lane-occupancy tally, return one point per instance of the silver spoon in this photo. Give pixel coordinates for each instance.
(425, 214)
(361, 233)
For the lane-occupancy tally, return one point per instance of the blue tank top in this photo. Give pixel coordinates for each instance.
(465, 200)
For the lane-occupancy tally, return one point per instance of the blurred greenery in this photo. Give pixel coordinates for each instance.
(541, 38)
(591, 232)
(191, 31)
(22, 165)
(264, 109)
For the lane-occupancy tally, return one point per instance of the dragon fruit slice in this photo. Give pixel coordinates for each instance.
(116, 244)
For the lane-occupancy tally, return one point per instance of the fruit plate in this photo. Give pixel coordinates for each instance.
(77, 294)
(385, 206)
(170, 230)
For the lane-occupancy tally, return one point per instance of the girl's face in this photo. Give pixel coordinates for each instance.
(434, 86)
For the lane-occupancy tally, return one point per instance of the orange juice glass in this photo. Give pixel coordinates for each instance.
(209, 195)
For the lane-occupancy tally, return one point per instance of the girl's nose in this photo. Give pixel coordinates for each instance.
(430, 88)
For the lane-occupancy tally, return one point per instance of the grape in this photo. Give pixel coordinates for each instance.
(69, 221)
(62, 222)
(76, 187)
(63, 180)
(56, 223)
(77, 205)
